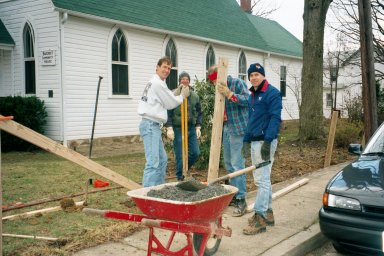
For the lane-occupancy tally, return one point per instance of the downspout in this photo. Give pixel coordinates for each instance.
(62, 21)
(13, 71)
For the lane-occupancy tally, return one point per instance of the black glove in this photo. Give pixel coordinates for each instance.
(266, 151)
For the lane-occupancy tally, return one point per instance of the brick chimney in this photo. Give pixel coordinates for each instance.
(246, 6)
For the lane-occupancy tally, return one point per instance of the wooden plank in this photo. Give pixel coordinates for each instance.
(56, 148)
(32, 237)
(217, 125)
(283, 191)
(331, 139)
(32, 213)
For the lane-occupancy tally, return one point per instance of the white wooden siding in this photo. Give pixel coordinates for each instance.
(45, 24)
(5, 73)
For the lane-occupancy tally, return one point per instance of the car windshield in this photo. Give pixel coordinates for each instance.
(376, 143)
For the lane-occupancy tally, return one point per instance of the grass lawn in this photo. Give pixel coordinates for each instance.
(29, 176)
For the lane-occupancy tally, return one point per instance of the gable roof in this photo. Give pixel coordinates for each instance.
(277, 38)
(5, 38)
(218, 20)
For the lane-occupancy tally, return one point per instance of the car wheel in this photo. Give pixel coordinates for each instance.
(339, 248)
(211, 247)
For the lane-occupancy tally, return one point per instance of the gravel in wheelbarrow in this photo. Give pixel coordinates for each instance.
(168, 202)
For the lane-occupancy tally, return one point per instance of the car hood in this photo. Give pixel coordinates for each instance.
(362, 180)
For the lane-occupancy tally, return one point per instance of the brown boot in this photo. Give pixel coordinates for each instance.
(270, 218)
(257, 224)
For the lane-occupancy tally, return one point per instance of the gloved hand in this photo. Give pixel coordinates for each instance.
(223, 89)
(185, 91)
(198, 132)
(177, 91)
(170, 133)
(266, 151)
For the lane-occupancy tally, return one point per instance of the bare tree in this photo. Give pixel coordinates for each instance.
(345, 20)
(311, 111)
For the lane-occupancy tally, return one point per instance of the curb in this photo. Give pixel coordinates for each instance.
(299, 244)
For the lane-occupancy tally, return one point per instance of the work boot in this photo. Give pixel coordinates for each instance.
(180, 178)
(233, 201)
(257, 224)
(240, 208)
(270, 220)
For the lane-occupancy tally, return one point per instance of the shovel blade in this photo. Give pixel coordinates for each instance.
(191, 185)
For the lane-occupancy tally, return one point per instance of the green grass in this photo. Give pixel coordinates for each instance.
(30, 176)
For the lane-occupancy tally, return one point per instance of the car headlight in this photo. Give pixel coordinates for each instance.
(341, 202)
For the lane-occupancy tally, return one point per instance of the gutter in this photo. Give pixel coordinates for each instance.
(150, 29)
(7, 47)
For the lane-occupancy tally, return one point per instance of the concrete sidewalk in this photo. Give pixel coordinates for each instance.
(296, 229)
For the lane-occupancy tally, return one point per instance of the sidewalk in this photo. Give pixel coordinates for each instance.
(296, 229)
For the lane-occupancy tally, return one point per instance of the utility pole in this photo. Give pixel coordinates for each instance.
(367, 68)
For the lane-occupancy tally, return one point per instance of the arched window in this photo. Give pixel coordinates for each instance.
(171, 52)
(119, 64)
(209, 59)
(242, 66)
(29, 60)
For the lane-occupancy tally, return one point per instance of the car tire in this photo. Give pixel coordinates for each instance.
(212, 246)
(339, 248)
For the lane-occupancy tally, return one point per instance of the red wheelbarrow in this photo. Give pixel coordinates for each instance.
(199, 221)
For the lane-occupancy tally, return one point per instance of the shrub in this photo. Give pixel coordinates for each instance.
(28, 111)
(206, 92)
(347, 133)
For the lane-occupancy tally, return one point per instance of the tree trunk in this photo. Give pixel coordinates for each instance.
(311, 110)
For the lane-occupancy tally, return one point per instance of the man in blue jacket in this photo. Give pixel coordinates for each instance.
(263, 128)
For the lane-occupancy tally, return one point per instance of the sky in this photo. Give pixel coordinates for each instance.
(289, 15)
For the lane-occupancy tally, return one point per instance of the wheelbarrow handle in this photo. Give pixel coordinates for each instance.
(91, 211)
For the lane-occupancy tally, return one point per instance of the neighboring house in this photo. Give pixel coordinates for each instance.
(57, 49)
(348, 76)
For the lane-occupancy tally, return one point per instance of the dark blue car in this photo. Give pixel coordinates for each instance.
(352, 216)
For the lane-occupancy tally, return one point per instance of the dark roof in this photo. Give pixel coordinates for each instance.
(5, 37)
(220, 20)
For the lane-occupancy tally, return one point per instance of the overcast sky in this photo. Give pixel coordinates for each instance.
(289, 15)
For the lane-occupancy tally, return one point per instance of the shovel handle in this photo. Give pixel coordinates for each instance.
(5, 118)
(240, 172)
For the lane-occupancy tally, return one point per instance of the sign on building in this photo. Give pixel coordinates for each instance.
(48, 57)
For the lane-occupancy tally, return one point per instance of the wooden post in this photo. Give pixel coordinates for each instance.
(331, 138)
(56, 148)
(217, 125)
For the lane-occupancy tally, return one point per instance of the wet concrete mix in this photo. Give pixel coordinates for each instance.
(177, 194)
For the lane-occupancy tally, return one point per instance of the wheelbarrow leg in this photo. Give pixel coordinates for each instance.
(160, 249)
(203, 244)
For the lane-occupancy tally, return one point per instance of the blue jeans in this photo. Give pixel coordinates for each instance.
(234, 160)
(262, 177)
(155, 155)
(193, 149)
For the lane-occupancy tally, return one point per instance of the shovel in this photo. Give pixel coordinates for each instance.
(195, 185)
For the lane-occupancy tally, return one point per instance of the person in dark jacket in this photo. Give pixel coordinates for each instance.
(263, 128)
(194, 127)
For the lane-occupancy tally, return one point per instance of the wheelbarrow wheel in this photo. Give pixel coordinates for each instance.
(211, 247)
